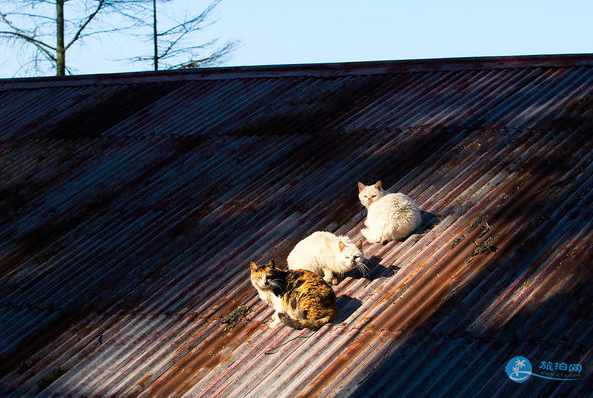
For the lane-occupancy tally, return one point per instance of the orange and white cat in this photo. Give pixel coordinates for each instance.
(328, 255)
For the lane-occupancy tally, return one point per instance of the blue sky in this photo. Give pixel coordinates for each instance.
(307, 31)
(331, 30)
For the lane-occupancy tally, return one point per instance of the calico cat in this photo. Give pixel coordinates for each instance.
(328, 255)
(301, 299)
(390, 216)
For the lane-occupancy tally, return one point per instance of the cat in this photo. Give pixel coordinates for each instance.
(301, 298)
(327, 255)
(390, 216)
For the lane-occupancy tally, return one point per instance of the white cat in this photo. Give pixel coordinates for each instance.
(390, 216)
(327, 255)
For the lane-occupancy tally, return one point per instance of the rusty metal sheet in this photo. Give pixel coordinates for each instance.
(132, 205)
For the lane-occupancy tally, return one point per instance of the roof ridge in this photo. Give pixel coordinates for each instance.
(336, 69)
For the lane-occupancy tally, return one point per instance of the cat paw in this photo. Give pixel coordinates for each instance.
(368, 236)
(364, 233)
(275, 321)
(330, 279)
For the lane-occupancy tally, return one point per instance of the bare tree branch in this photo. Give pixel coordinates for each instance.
(192, 24)
(213, 58)
(172, 45)
(39, 44)
(43, 25)
(34, 23)
(16, 32)
(174, 41)
(138, 21)
(85, 24)
(29, 15)
(35, 62)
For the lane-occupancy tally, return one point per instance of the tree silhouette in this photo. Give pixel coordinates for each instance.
(174, 41)
(37, 23)
(47, 29)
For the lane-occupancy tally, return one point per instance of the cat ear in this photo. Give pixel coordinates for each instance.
(253, 266)
(271, 263)
(359, 245)
(361, 186)
(378, 184)
(341, 245)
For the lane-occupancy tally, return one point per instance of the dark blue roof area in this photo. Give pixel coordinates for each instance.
(132, 204)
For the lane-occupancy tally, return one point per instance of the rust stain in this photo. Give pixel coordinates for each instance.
(208, 354)
(194, 366)
(143, 382)
(139, 386)
(425, 295)
(330, 373)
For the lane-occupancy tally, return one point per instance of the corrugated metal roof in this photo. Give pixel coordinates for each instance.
(132, 205)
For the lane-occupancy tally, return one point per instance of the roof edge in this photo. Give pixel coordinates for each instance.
(314, 69)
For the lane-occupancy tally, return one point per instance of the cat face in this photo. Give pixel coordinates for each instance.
(350, 255)
(265, 277)
(369, 194)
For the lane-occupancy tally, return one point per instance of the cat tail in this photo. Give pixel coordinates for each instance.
(301, 324)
